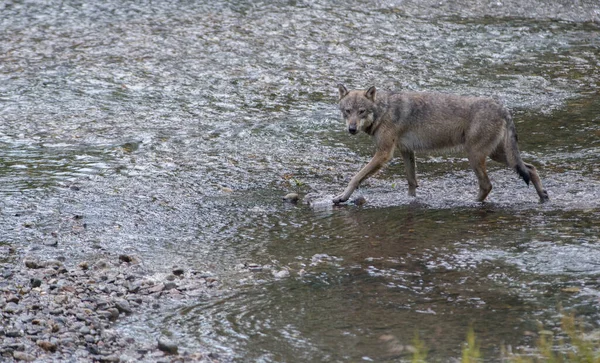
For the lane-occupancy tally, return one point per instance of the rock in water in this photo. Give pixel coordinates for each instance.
(167, 346)
(291, 197)
(359, 200)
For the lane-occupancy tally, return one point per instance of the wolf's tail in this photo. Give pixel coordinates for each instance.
(511, 149)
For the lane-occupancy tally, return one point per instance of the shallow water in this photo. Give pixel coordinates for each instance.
(173, 130)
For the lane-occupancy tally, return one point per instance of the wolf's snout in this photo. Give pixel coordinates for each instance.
(352, 130)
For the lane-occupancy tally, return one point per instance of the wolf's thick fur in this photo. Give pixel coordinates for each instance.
(414, 121)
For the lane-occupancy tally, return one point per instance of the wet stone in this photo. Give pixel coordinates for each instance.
(123, 306)
(108, 358)
(133, 287)
(12, 308)
(100, 265)
(359, 201)
(101, 303)
(33, 264)
(22, 356)
(170, 285)
(35, 282)
(125, 258)
(167, 346)
(13, 333)
(51, 243)
(46, 345)
(155, 288)
(114, 314)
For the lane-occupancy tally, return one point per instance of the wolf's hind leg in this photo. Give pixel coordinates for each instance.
(410, 169)
(533, 177)
(537, 183)
(478, 165)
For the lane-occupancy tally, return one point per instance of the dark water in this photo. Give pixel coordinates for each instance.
(173, 129)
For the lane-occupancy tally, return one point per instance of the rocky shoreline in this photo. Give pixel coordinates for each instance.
(53, 313)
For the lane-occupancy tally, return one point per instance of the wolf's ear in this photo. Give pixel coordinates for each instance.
(343, 90)
(370, 93)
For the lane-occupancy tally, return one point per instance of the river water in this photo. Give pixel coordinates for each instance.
(171, 130)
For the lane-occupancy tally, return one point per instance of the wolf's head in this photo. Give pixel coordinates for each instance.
(358, 108)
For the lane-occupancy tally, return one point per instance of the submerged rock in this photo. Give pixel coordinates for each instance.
(359, 200)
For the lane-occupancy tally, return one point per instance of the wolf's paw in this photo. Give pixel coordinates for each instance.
(340, 199)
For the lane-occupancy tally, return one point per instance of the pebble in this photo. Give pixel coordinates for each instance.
(33, 264)
(51, 243)
(46, 345)
(12, 308)
(14, 333)
(167, 346)
(359, 200)
(125, 258)
(12, 298)
(35, 282)
(123, 306)
(23, 356)
(114, 314)
(170, 285)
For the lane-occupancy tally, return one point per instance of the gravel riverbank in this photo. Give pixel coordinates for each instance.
(53, 313)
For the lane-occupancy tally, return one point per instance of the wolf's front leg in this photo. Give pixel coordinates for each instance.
(375, 164)
(344, 196)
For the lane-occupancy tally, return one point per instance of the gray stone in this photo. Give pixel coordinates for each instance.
(125, 258)
(170, 285)
(167, 346)
(12, 298)
(114, 314)
(32, 264)
(123, 306)
(26, 357)
(178, 271)
(46, 345)
(12, 308)
(13, 333)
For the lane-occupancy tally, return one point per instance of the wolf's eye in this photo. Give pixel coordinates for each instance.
(362, 111)
(347, 111)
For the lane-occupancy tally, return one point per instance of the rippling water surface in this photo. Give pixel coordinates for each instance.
(174, 129)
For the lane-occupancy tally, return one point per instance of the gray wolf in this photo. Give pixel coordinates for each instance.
(412, 121)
